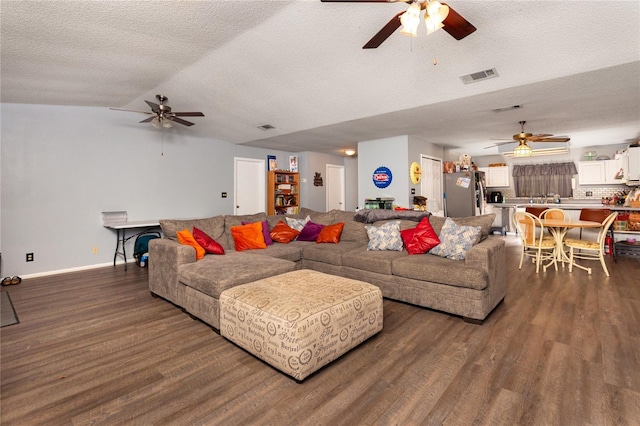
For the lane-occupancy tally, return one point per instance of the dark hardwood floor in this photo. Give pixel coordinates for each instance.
(94, 347)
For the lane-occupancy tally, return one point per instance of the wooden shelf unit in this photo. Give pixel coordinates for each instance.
(283, 192)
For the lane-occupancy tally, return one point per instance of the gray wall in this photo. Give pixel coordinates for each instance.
(62, 166)
(392, 153)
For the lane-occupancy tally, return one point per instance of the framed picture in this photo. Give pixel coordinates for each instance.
(293, 163)
(272, 164)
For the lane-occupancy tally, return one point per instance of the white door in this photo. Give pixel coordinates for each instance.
(249, 189)
(431, 183)
(335, 187)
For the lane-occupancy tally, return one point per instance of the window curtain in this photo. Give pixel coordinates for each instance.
(543, 179)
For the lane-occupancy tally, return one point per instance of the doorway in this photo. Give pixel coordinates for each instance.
(249, 188)
(335, 187)
(431, 183)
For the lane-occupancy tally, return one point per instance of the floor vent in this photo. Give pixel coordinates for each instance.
(478, 76)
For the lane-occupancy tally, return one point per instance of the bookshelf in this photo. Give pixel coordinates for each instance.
(283, 192)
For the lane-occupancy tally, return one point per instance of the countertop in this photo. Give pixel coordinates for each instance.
(570, 205)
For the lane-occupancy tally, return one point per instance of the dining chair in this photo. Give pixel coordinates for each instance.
(555, 213)
(536, 211)
(534, 245)
(594, 215)
(590, 250)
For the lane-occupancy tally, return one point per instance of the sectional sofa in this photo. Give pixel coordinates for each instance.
(470, 288)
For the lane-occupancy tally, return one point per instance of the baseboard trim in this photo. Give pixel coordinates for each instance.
(76, 269)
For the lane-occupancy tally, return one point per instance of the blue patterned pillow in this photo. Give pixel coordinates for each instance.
(385, 237)
(456, 240)
(297, 224)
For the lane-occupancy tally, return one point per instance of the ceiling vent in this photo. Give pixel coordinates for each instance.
(539, 148)
(266, 127)
(478, 76)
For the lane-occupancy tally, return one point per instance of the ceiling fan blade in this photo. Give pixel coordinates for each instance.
(180, 121)
(131, 110)
(147, 120)
(187, 114)
(154, 107)
(501, 143)
(456, 25)
(384, 33)
(557, 139)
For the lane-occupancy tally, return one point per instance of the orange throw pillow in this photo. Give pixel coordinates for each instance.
(248, 237)
(283, 233)
(331, 233)
(185, 237)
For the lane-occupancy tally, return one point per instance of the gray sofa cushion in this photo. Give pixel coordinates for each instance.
(214, 274)
(213, 227)
(324, 218)
(290, 251)
(427, 267)
(329, 253)
(352, 231)
(373, 261)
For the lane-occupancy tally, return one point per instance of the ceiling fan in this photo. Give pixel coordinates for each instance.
(437, 15)
(524, 150)
(161, 114)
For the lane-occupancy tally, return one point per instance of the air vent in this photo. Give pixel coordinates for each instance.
(266, 127)
(509, 108)
(478, 76)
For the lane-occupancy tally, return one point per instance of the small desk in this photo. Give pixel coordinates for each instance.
(559, 229)
(121, 239)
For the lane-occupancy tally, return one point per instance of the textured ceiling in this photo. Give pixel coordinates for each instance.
(574, 66)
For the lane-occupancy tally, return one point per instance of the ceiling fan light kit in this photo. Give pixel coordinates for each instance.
(437, 15)
(522, 150)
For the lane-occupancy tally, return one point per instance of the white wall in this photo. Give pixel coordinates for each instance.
(62, 166)
(392, 153)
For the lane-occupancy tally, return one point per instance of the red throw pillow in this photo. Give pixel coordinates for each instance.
(185, 237)
(310, 231)
(331, 233)
(420, 239)
(208, 244)
(283, 233)
(248, 237)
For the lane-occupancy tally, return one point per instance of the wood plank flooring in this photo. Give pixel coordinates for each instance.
(94, 347)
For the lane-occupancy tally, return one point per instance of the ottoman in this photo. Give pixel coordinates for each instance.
(302, 320)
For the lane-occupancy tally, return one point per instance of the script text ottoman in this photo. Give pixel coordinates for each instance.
(301, 320)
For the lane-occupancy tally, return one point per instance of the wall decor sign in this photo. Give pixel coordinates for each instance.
(382, 177)
(415, 173)
(293, 163)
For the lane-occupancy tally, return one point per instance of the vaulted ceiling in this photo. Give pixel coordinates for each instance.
(572, 66)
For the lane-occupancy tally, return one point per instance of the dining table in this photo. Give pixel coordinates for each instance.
(559, 228)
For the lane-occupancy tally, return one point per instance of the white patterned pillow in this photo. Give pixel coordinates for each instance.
(297, 224)
(456, 240)
(385, 237)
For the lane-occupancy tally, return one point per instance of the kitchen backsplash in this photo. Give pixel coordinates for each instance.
(597, 192)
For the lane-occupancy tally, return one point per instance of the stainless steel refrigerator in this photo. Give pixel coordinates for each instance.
(464, 194)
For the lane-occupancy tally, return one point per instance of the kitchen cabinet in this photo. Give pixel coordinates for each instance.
(599, 172)
(496, 177)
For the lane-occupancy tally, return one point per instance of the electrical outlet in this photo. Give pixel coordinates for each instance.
(29, 257)
(224, 195)
(95, 250)
(589, 194)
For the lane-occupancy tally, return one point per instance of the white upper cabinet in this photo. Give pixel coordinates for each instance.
(496, 176)
(599, 172)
